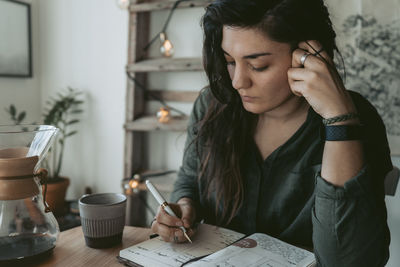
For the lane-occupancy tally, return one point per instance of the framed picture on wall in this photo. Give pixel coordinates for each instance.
(15, 36)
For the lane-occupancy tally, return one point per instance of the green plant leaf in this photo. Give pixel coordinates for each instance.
(72, 122)
(21, 116)
(13, 110)
(77, 111)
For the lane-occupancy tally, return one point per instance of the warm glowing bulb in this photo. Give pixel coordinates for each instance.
(123, 4)
(133, 183)
(163, 115)
(166, 49)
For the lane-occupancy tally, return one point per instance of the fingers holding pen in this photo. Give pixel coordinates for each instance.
(168, 227)
(188, 212)
(168, 217)
(164, 218)
(167, 233)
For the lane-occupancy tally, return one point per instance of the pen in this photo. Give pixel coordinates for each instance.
(164, 205)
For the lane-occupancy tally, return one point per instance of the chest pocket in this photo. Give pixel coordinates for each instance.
(289, 200)
(297, 190)
(303, 181)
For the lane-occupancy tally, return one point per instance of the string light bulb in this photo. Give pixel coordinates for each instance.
(123, 4)
(164, 115)
(166, 49)
(133, 183)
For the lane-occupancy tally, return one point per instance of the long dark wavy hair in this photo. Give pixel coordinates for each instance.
(227, 128)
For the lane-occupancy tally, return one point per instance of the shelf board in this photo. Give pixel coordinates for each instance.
(162, 182)
(166, 64)
(166, 4)
(150, 123)
(175, 96)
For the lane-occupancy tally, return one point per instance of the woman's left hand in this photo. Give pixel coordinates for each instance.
(319, 82)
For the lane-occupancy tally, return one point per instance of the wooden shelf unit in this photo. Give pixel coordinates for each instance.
(150, 123)
(137, 123)
(175, 96)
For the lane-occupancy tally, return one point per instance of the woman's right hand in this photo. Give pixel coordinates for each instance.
(167, 226)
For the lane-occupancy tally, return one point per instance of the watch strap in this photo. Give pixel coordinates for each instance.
(343, 132)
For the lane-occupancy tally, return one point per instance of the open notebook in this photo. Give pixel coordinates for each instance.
(224, 247)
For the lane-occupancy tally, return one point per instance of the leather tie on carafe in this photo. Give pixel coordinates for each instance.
(42, 175)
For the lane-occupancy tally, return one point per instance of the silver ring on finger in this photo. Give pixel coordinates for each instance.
(303, 58)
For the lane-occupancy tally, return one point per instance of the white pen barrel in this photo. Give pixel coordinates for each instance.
(155, 192)
(164, 205)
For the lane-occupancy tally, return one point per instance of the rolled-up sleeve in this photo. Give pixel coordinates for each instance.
(349, 223)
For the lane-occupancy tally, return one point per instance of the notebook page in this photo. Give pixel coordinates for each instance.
(156, 252)
(258, 250)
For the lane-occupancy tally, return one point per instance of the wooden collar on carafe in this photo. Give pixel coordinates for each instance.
(17, 174)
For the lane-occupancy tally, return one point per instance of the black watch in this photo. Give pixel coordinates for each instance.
(343, 132)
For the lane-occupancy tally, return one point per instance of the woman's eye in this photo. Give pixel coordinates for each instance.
(259, 69)
(230, 63)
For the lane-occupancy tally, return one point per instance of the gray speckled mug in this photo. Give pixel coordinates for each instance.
(102, 218)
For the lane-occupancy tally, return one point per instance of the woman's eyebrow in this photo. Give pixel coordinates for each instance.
(251, 56)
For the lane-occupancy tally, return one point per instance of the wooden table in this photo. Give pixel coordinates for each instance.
(72, 251)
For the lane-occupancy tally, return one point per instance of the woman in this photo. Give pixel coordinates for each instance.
(277, 144)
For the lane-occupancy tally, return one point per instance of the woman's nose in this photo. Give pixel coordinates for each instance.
(240, 79)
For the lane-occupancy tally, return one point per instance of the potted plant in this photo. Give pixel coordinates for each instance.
(60, 111)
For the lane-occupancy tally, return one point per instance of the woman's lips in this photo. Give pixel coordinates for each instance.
(247, 98)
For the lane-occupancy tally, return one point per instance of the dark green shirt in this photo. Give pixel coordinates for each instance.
(285, 196)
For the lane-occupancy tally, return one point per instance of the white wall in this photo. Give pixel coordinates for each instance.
(24, 93)
(83, 44)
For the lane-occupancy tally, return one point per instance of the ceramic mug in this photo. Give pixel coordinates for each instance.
(102, 218)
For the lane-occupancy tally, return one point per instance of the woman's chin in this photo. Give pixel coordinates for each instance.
(255, 109)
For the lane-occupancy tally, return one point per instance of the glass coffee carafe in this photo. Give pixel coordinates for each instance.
(28, 229)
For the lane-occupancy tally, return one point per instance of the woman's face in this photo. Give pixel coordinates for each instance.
(258, 68)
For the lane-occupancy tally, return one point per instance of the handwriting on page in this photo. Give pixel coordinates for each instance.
(258, 250)
(292, 254)
(156, 252)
